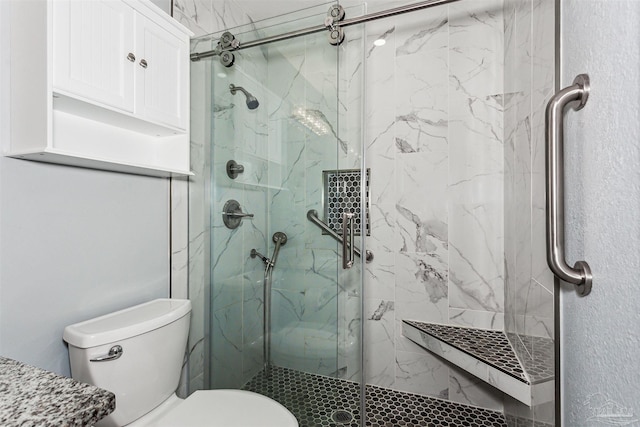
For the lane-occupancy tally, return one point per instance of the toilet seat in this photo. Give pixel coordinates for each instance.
(227, 408)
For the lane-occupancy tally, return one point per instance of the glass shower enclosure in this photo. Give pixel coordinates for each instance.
(283, 169)
(448, 104)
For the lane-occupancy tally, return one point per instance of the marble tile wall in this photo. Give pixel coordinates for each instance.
(434, 140)
(305, 300)
(209, 16)
(444, 102)
(199, 228)
(202, 18)
(529, 83)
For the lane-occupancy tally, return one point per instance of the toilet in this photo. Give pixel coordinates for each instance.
(137, 354)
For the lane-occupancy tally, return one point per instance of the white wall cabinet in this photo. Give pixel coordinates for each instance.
(161, 93)
(114, 93)
(91, 41)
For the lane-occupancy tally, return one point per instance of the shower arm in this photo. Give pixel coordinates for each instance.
(312, 215)
(269, 263)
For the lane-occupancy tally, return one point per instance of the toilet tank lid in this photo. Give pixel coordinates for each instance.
(126, 323)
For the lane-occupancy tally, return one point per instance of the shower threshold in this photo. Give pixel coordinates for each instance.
(316, 400)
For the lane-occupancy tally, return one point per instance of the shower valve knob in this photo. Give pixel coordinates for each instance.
(234, 169)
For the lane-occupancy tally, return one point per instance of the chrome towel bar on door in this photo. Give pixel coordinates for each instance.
(580, 273)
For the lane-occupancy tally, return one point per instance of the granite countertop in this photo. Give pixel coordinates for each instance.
(31, 396)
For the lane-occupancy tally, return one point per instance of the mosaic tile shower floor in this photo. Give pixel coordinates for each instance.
(314, 400)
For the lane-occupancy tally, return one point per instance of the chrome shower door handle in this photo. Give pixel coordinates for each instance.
(348, 253)
(580, 273)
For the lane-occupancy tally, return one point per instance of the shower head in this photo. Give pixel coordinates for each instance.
(252, 101)
(280, 237)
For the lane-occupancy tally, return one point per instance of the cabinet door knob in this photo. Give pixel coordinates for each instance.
(131, 57)
(143, 63)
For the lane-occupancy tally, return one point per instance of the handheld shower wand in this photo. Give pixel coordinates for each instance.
(279, 238)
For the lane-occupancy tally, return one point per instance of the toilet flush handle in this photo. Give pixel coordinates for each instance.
(114, 353)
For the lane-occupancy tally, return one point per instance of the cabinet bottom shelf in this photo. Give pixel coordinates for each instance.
(90, 163)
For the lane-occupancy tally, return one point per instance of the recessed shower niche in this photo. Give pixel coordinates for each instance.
(342, 194)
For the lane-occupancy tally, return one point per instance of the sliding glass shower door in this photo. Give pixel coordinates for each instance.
(286, 171)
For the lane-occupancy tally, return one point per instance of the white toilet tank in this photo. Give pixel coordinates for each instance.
(153, 338)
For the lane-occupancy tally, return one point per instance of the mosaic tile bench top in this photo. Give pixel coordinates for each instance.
(317, 401)
(491, 347)
(539, 365)
(495, 349)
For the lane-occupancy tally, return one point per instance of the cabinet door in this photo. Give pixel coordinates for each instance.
(91, 42)
(162, 81)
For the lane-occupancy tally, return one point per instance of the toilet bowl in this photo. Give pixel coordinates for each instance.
(137, 354)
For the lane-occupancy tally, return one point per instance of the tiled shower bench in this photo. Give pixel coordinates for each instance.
(489, 355)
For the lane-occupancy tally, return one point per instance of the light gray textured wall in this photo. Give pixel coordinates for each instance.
(74, 244)
(601, 331)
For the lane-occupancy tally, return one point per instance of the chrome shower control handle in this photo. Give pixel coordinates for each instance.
(238, 214)
(114, 353)
(232, 214)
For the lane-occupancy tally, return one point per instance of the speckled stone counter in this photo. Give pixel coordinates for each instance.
(30, 396)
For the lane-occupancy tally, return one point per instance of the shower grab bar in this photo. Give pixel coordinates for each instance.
(312, 215)
(348, 247)
(580, 273)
